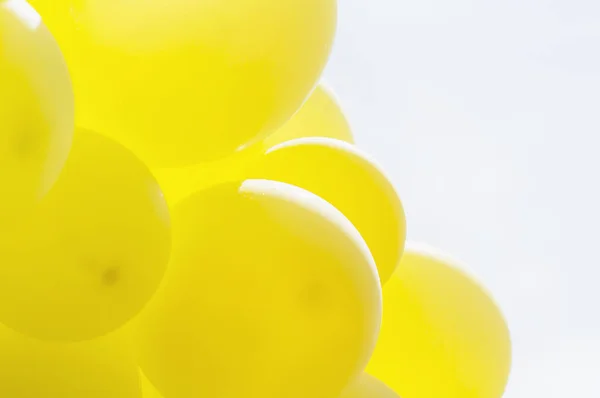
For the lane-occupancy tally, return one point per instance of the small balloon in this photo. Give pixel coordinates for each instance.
(270, 293)
(442, 335)
(183, 82)
(351, 181)
(368, 387)
(320, 116)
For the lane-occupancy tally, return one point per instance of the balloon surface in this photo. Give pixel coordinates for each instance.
(348, 179)
(368, 387)
(92, 253)
(36, 110)
(442, 335)
(102, 368)
(178, 183)
(270, 293)
(148, 389)
(320, 116)
(182, 82)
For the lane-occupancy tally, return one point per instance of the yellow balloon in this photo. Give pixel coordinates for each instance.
(36, 110)
(442, 335)
(93, 252)
(270, 293)
(347, 178)
(368, 387)
(102, 368)
(182, 82)
(320, 116)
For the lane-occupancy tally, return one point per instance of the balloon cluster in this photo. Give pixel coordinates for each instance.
(183, 214)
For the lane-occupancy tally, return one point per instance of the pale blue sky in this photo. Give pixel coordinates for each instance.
(485, 114)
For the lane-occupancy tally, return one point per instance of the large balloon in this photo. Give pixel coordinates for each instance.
(368, 387)
(347, 178)
(320, 116)
(442, 335)
(270, 293)
(181, 82)
(92, 253)
(102, 368)
(36, 110)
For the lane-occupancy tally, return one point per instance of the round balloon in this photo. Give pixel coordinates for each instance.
(102, 368)
(368, 387)
(351, 181)
(36, 110)
(92, 253)
(182, 82)
(320, 116)
(270, 293)
(442, 335)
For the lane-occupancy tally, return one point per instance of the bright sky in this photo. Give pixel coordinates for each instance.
(485, 114)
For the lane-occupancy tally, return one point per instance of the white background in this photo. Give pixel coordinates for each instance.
(486, 115)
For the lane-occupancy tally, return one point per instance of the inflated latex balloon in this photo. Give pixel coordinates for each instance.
(36, 110)
(102, 368)
(320, 116)
(348, 179)
(93, 252)
(442, 335)
(270, 293)
(181, 82)
(368, 387)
